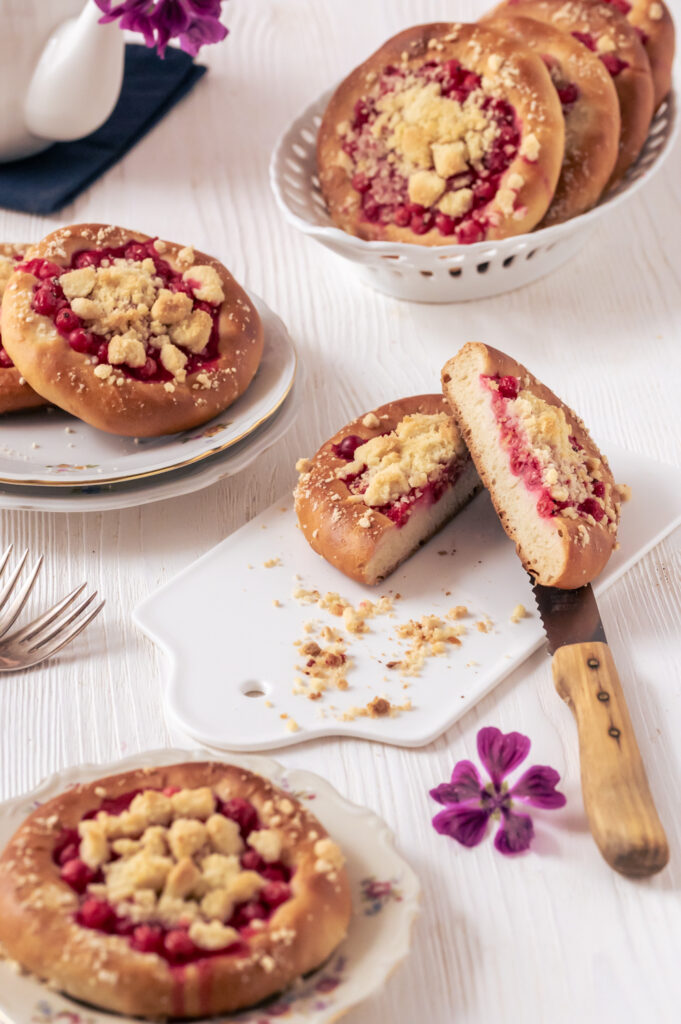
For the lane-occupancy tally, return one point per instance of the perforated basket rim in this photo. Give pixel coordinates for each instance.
(634, 179)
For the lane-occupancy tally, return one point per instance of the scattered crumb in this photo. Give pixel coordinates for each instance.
(292, 725)
(271, 562)
(268, 704)
(483, 626)
(277, 604)
(379, 707)
(519, 612)
(428, 636)
(458, 612)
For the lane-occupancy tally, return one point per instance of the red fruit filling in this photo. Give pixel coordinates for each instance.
(623, 6)
(5, 361)
(49, 300)
(613, 64)
(587, 39)
(568, 92)
(173, 944)
(398, 511)
(524, 463)
(383, 185)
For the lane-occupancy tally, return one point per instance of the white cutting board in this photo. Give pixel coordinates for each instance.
(225, 638)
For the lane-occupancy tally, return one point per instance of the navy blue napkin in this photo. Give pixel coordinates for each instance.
(151, 87)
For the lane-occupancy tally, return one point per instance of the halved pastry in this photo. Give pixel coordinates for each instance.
(590, 108)
(448, 133)
(552, 488)
(132, 334)
(604, 30)
(15, 393)
(174, 892)
(383, 485)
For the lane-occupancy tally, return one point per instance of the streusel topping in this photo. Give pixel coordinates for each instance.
(392, 465)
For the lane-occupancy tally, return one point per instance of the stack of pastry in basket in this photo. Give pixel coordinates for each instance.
(134, 335)
(386, 482)
(455, 133)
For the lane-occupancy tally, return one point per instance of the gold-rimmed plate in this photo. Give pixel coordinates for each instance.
(49, 448)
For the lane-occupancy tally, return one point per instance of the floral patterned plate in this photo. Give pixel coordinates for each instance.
(385, 897)
(50, 449)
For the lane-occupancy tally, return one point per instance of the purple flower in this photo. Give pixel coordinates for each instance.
(469, 805)
(194, 23)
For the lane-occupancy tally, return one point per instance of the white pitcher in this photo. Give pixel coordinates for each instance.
(60, 73)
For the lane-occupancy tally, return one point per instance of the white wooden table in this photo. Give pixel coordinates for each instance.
(554, 936)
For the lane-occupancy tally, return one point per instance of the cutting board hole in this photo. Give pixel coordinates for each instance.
(253, 688)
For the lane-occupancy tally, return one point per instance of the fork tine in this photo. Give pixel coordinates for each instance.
(62, 640)
(5, 594)
(58, 625)
(46, 618)
(4, 557)
(14, 610)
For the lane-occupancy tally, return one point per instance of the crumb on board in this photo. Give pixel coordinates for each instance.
(292, 725)
(519, 612)
(271, 562)
(276, 603)
(379, 707)
(460, 611)
(483, 625)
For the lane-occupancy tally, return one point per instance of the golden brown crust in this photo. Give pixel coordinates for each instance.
(592, 121)
(584, 555)
(15, 393)
(331, 521)
(654, 20)
(521, 78)
(135, 408)
(608, 28)
(36, 908)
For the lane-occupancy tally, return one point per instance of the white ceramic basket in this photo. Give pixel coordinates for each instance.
(448, 273)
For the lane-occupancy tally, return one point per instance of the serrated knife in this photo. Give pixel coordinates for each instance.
(617, 797)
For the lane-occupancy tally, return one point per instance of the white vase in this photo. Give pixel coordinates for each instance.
(60, 73)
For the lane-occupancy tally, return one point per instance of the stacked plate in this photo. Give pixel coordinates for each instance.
(49, 460)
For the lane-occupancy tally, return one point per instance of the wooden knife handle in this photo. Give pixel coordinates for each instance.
(617, 797)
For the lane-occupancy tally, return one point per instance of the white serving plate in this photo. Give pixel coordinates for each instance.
(445, 273)
(225, 639)
(48, 448)
(380, 929)
(173, 484)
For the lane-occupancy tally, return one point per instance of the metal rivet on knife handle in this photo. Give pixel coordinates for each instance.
(617, 797)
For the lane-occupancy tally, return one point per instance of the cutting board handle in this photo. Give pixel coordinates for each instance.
(617, 797)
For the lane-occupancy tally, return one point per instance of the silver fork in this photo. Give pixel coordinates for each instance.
(48, 633)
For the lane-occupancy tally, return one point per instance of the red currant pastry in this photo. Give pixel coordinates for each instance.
(447, 134)
(177, 892)
(383, 485)
(552, 488)
(608, 34)
(15, 393)
(134, 335)
(654, 24)
(590, 108)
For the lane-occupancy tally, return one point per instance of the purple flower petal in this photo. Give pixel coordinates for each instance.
(465, 824)
(201, 32)
(514, 834)
(537, 786)
(206, 8)
(465, 785)
(501, 752)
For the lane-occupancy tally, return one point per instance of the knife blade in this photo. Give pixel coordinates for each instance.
(617, 797)
(569, 616)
